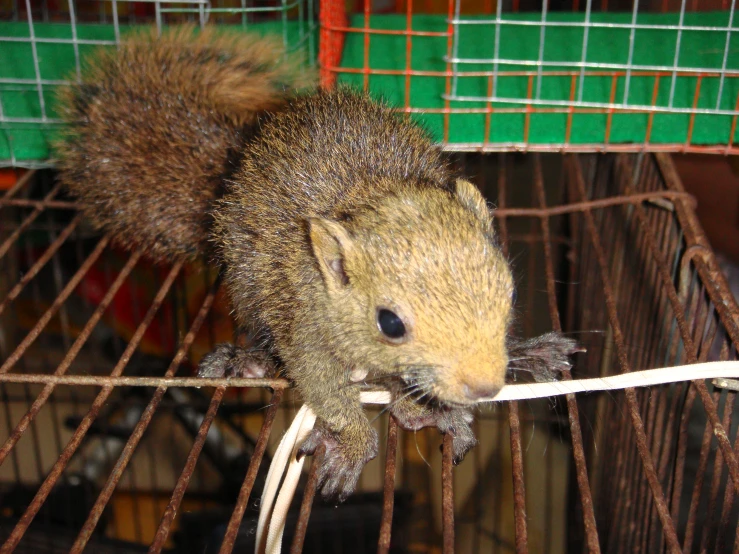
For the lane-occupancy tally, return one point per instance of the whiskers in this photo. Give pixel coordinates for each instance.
(418, 386)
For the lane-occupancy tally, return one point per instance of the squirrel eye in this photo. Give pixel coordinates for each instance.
(390, 324)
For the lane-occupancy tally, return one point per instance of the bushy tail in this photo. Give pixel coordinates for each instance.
(155, 127)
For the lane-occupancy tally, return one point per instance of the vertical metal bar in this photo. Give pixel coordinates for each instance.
(496, 47)
(305, 507)
(75, 43)
(726, 56)
(37, 70)
(74, 443)
(447, 496)
(40, 262)
(158, 16)
(455, 43)
(44, 319)
(631, 399)
(285, 37)
(718, 470)
(116, 23)
(366, 36)
(584, 57)
(630, 59)
(311, 26)
(147, 415)
(447, 80)
(388, 496)
(542, 40)
(581, 470)
(184, 478)
(408, 54)
(519, 491)
(677, 54)
(251, 475)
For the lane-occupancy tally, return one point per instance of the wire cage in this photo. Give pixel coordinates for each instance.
(579, 76)
(108, 443)
(43, 46)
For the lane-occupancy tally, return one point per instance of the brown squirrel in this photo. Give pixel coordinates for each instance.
(348, 243)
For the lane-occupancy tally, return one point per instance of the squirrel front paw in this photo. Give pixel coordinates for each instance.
(455, 421)
(228, 360)
(345, 455)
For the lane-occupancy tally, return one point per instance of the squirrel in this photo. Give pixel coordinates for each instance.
(347, 242)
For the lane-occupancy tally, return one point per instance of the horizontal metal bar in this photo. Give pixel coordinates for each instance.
(121, 381)
(681, 71)
(55, 40)
(280, 8)
(590, 25)
(591, 148)
(600, 105)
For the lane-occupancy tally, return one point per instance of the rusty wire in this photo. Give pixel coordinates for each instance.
(626, 217)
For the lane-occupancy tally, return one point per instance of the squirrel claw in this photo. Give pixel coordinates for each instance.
(455, 421)
(228, 360)
(342, 462)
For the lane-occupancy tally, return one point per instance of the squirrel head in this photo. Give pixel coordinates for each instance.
(417, 288)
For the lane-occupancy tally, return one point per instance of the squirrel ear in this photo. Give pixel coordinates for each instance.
(472, 199)
(331, 243)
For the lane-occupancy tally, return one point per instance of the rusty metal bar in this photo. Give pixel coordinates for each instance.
(697, 488)
(20, 183)
(717, 475)
(305, 507)
(630, 394)
(44, 395)
(39, 204)
(388, 496)
(43, 492)
(722, 298)
(587, 205)
(45, 257)
(447, 496)
(184, 479)
(120, 381)
(44, 320)
(251, 474)
(578, 452)
(128, 450)
(30, 218)
(519, 490)
(729, 495)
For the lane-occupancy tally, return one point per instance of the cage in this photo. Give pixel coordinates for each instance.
(109, 442)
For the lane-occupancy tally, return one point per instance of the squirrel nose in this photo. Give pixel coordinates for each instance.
(477, 392)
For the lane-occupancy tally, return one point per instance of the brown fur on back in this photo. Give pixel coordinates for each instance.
(153, 126)
(328, 154)
(421, 248)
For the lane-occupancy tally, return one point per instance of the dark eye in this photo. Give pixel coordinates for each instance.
(390, 324)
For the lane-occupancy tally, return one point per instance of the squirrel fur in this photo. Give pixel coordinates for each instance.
(347, 242)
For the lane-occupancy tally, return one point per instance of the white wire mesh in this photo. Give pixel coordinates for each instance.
(31, 33)
(489, 29)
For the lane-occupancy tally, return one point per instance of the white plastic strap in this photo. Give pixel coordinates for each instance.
(305, 419)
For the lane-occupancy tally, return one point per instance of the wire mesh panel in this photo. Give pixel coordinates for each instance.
(43, 45)
(108, 443)
(547, 76)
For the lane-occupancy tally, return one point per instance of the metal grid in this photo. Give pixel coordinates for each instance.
(712, 95)
(296, 23)
(607, 245)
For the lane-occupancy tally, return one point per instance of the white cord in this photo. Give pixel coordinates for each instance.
(305, 419)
